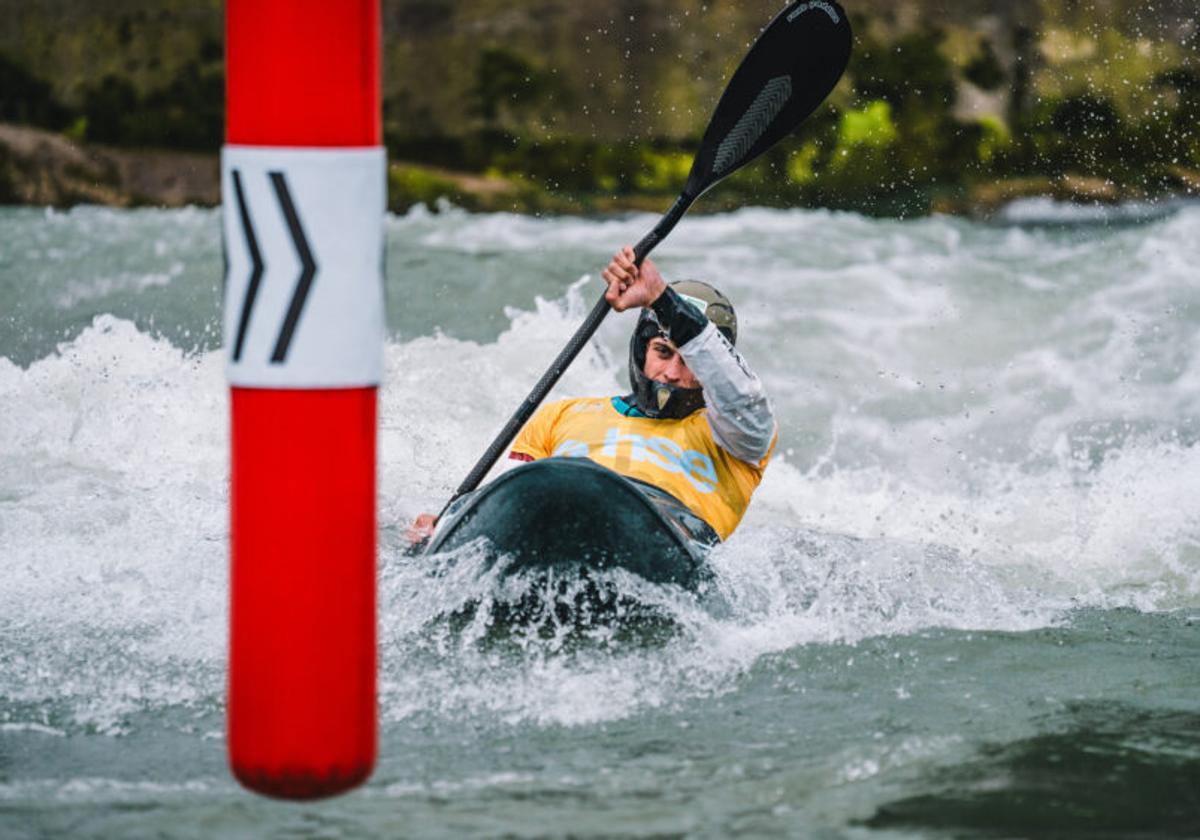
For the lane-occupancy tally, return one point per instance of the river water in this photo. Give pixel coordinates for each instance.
(965, 601)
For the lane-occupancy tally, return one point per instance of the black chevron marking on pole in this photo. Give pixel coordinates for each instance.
(256, 271)
(754, 122)
(307, 272)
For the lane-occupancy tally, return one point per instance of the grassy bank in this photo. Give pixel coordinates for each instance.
(44, 168)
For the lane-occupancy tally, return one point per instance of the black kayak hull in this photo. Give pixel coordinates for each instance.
(561, 513)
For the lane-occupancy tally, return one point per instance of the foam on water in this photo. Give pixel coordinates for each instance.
(1052, 211)
(982, 429)
(113, 526)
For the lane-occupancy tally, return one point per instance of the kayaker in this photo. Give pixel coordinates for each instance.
(698, 423)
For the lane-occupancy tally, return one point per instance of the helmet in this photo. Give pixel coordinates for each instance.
(657, 399)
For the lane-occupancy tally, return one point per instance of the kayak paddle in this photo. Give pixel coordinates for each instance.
(788, 72)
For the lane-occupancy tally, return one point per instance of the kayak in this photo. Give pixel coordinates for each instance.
(571, 513)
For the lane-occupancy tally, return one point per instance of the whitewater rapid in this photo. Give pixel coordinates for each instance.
(988, 432)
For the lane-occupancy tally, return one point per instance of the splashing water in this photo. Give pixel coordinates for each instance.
(981, 511)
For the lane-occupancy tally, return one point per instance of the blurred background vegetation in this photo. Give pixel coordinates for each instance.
(564, 106)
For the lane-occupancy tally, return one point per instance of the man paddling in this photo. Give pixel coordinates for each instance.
(697, 424)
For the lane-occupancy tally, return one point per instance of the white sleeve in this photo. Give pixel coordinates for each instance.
(739, 413)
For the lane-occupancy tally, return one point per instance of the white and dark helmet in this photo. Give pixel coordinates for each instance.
(657, 399)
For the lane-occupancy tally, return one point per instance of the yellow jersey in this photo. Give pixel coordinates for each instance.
(679, 456)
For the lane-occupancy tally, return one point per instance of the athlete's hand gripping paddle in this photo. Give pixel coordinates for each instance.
(788, 72)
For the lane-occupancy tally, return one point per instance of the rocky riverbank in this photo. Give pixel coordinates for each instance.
(47, 169)
(44, 168)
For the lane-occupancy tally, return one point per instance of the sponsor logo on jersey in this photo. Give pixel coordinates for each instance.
(570, 449)
(662, 452)
(666, 454)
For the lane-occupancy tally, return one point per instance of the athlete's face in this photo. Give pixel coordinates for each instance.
(665, 365)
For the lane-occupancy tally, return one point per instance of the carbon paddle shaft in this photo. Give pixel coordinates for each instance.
(550, 378)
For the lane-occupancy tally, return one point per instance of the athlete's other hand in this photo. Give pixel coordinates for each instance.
(421, 529)
(629, 286)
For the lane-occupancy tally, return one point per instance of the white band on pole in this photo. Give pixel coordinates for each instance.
(304, 243)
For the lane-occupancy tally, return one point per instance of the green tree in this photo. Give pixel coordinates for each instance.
(24, 98)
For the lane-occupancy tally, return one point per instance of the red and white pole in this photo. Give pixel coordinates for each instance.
(303, 180)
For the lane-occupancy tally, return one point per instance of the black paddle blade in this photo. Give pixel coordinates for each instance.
(789, 71)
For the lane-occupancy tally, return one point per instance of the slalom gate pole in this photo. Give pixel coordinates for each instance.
(303, 185)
